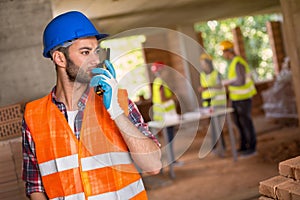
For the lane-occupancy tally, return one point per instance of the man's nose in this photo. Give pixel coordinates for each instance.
(94, 59)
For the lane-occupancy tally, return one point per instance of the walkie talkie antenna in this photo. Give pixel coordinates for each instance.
(98, 89)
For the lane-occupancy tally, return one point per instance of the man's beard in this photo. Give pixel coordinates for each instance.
(76, 73)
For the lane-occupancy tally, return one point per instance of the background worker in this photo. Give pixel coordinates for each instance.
(163, 104)
(212, 92)
(76, 144)
(241, 90)
(211, 88)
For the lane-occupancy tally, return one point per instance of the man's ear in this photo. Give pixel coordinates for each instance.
(59, 59)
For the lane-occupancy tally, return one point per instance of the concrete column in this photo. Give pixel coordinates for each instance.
(238, 39)
(191, 49)
(200, 39)
(25, 74)
(276, 41)
(291, 15)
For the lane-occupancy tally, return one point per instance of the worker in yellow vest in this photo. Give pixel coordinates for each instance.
(78, 144)
(241, 90)
(213, 94)
(163, 104)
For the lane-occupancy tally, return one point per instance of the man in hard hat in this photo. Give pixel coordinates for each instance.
(213, 93)
(163, 104)
(77, 144)
(241, 90)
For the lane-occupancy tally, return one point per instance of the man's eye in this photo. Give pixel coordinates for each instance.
(85, 52)
(97, 51)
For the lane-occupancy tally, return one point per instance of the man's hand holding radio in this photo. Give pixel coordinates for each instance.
(106, 79)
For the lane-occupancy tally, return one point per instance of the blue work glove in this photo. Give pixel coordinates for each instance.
(106, 79)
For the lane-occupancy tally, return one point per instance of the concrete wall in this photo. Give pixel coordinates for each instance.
(24, 73)
(192, 50)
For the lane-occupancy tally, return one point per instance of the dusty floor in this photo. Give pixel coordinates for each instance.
(214, 178)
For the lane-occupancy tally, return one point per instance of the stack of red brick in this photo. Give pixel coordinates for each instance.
(285, 186)
(10, 121)
(11, 184)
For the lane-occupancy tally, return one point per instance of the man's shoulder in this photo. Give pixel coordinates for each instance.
(240, 59)
(35, 104)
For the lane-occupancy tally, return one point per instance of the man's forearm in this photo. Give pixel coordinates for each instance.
(38, 196)
(145, 153)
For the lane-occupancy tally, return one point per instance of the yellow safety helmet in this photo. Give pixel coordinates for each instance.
(225, 45)
(205, 56)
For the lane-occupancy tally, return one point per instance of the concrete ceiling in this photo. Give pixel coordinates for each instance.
(114, 16)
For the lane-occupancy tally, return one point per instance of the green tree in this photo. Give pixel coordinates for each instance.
(256, 40)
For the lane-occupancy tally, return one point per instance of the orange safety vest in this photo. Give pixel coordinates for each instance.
(98, 166)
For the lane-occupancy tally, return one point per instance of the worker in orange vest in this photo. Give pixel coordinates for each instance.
(78, 144)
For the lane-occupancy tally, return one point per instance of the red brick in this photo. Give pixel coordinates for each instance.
(11, 129)
(21, 185)
(288, 190)
(13, 194)
(6, 153)
(16, 147)
(9, 186)
(7, 171)
(296, 195)
(269, 186)
(265, 198)
(297, 172)
(18, 168)
(11, 112)
(290, 168)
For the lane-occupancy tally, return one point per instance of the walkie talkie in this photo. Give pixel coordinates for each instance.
(104, 55)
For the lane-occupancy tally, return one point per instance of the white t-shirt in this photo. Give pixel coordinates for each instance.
(71, 118)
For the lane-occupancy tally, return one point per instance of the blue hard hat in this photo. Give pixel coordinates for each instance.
(67, 27)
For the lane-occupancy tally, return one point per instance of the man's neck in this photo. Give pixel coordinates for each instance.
(208, 71)
(232, 56)
(70, 93)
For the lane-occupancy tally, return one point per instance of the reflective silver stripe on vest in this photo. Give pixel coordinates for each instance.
(219, 97)
(125, 193)
(79, 196)
(105, 160)
(58, 165)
